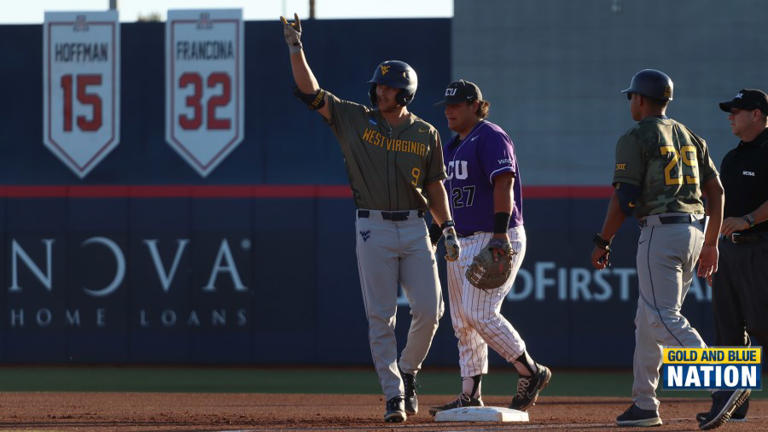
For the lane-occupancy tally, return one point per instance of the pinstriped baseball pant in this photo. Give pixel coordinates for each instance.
(476, 314)
(666, 258)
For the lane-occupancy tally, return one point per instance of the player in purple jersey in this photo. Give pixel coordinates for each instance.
(486, 201)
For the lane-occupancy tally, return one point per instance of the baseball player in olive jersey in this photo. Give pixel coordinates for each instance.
(394, 162)
(485, 192)
(662, 170)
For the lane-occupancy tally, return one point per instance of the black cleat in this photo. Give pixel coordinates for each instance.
(738, 416)
(724, 403)
(395, 410)
(411, 400)
(528, 388)
(464, 400)
(636, 416)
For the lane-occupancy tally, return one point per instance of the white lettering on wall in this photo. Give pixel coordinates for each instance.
(18, 252)
(119, 271)
(225, 254)
(166, 277)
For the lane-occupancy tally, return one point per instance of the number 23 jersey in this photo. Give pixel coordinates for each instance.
(668, 162)
(471, 165)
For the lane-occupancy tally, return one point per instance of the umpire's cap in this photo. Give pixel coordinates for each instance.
(747, 99)
(651, 83)
(396, 74)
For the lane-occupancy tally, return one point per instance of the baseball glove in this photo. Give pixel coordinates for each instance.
(492, 266)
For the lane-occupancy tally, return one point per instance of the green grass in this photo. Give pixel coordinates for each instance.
(294, 380)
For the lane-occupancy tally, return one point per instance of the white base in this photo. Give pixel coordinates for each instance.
(482, 414)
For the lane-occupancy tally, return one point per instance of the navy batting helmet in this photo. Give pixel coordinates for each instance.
(651, 83)
(396, 74)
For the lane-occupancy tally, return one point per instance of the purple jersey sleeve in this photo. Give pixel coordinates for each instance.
(496, 153)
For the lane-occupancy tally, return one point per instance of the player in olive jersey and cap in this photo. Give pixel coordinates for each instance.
(662, 171)
(395, 166)
(485, 190)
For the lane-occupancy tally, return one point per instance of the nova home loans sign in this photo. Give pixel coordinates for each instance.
(81, 87)
(204, 85)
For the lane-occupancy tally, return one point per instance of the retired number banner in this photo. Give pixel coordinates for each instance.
(81, 87)
(204, 85)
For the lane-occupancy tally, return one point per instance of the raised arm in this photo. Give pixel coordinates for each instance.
(308, 90)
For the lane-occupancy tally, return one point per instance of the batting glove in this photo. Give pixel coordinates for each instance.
(292, 33)
(451, 242)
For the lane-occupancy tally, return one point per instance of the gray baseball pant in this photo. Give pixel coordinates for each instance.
(666, 258)
(391, 253)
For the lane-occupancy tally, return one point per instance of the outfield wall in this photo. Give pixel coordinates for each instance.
(553, 71)
(145, 261)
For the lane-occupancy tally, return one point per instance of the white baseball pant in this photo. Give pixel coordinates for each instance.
(476, 314)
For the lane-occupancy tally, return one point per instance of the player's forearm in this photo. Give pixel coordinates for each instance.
(713, 192)
(438, 202)
(503, 193)
(614, 217)
(302, 74)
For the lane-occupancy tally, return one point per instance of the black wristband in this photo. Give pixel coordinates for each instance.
(435, 233)
(448, 223)
(601, 243)
(501, 222)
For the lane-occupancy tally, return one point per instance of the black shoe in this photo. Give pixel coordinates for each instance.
(724, 403)
(395, 410)
(464, 400)
(411, 400)
(636, 416)
(740, 415)
(528, 388)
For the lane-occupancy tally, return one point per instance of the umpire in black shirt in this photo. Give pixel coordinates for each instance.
(740, 287)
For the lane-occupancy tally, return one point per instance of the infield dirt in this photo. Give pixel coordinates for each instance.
(125, 412)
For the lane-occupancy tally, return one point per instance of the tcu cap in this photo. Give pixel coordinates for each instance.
(461, 91)
(748, 99)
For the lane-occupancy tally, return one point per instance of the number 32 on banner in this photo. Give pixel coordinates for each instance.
(194, 100)
(83, 81)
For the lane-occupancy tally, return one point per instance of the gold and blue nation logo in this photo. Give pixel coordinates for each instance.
(712, 368)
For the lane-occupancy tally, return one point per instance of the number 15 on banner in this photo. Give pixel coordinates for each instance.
(81, 87)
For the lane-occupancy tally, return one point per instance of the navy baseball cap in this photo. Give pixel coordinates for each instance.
(461, 91)
(747, 99)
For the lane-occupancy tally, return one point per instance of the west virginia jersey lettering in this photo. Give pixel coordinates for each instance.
(373, 137)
